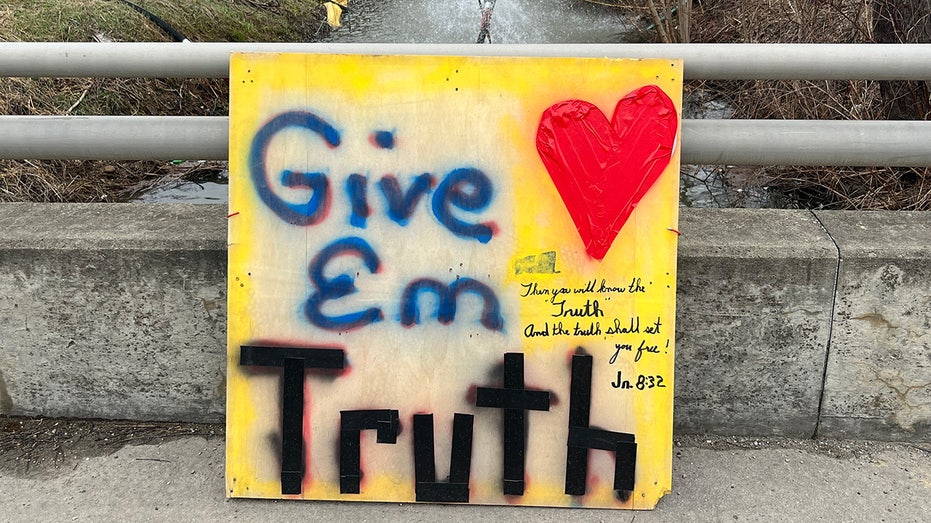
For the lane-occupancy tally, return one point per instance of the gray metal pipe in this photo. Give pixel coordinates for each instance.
(715, 142)
(702, 61)
(807, 142)
(114, 137)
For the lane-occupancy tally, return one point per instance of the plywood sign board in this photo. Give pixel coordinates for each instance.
(452, 279)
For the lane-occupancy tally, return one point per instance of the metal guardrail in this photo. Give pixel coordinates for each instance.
(701, 61)
(714, 142)
(733, 142)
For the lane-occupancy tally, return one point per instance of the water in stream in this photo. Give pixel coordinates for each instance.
(212, 188)
(512, 22)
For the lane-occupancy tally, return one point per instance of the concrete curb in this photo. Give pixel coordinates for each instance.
(119, 311)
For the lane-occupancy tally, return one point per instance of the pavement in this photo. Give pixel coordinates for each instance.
(715, 479)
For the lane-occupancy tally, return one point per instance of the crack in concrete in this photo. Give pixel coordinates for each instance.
(827, 349)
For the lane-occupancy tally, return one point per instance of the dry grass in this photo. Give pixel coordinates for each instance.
(101, 20)
(199, 20)
(810, 21)
(126, 96)
(94, 181)
(775, 21)
(885, 188)
(805, 21)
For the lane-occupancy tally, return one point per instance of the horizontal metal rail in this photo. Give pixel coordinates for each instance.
(702, 61)
(728, 142)
(114, 137)
(717, 142)
(807, 142)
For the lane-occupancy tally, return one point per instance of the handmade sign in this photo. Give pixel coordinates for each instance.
(452, 279)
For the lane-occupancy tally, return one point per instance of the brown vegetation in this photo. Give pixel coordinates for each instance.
(825, 21)
(112, 20)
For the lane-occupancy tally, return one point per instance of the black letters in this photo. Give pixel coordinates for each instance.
(460, 460)
(582, 437)
(352, 422)
(515, 400)
(293, 360)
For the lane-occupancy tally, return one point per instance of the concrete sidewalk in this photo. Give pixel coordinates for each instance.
(715, 479)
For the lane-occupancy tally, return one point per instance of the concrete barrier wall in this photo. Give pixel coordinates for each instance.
(113, 311)
(753, 321)
(785, 327)
(878, 381)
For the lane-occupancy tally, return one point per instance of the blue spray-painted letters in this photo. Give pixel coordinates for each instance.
(401, 205)
(315, 209)
(447, 296)
(470, 190)
(356, 188)
(340, 286)
(463, 192)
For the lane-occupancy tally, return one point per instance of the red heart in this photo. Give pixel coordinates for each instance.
(602, 169)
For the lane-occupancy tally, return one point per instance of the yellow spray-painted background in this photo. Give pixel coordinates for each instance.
(398, 118)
